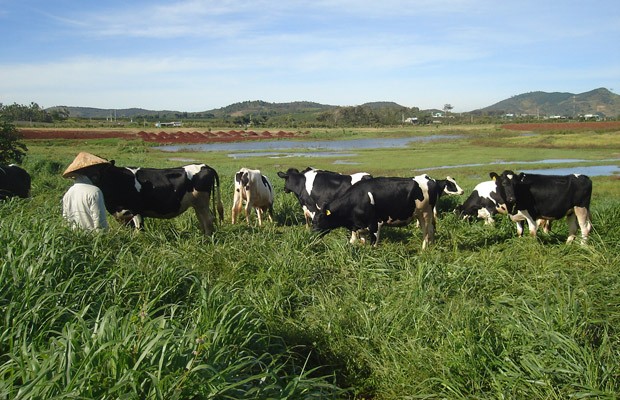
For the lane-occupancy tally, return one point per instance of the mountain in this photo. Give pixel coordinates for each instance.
(598, 101)
(377, 105)
(259, 107)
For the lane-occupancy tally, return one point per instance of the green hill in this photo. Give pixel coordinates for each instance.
(599, 101)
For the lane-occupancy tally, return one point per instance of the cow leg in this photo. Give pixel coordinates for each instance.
(571, 219)
(354, 237)
(270, 213)
(203, 212)
(248, 207)
(484, 214)
(206, 219)
(519, 225)
(544, 224)
(373, 229)
(378, 235)
(524, 216)
(426, 219)
(237, 204)
(581, 215)
(137, 222)
(309, 216)
(259, 216)
(531, 224)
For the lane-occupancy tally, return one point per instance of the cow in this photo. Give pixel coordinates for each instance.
(256, 191)
(14, 181)
(444, 186)
(132, 194)
(484, 202)
(371, 203)
(314, 187)
(532, 197)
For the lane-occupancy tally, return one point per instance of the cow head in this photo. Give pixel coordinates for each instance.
(293, 180)
(324, 220)
(452, 187)
(507, 186)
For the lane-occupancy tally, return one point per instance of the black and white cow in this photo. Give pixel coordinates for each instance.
(444, 186)
(256, 191)
(14, 181)
(532, 197)
(131, 194)
(313, 187)
(484, 202)
(371, 203)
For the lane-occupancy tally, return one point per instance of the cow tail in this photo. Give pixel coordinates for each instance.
(217, 197)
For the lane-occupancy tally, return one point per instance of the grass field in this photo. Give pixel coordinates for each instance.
(277, 312)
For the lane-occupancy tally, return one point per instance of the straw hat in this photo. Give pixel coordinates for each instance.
(83, 160)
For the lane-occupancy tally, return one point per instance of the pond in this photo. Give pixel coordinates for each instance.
(342, 149)
(594, 170)
(328, 147)
(274, 154)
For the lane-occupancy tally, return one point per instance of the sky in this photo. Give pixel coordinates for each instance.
(198, 55)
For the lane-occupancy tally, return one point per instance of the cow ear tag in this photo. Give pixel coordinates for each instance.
(327, 212)
(494, 179)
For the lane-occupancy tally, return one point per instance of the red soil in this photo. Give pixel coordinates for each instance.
(555, 126)
(158, 137)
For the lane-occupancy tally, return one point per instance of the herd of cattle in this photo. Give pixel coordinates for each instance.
(330, 200)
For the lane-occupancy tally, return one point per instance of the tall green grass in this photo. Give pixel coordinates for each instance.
(277, 312)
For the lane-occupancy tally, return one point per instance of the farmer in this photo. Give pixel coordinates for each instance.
(83, 204)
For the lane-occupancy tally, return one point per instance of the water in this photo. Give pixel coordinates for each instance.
(288, 155)
(335, 148)
(593, 170)
(502, 162)
(311, 145)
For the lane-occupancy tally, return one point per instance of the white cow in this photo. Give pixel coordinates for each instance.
(256, 191)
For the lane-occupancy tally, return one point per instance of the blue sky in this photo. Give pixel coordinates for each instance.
(196, 55)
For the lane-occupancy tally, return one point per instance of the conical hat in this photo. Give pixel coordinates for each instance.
(83, 160)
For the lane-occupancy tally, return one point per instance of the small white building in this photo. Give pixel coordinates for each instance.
(163, 124)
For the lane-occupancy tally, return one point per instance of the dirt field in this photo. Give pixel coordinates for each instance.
(568, 126)
(157, 137)
(235, 136)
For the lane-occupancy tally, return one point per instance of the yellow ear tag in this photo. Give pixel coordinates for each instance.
(327, 212)
(493, 178)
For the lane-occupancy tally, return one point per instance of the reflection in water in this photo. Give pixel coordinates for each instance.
(323, 145)
(288, 155)
(593, 170)
(596, 170)
(334, 148)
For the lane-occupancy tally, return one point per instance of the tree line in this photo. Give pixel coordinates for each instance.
(33, 113)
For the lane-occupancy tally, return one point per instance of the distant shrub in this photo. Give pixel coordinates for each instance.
(11, 149)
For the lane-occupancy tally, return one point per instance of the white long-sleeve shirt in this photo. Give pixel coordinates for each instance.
(83, 205)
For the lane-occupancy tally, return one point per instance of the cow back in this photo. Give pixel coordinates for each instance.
(327, 185)
(14, 181)
(382, 199)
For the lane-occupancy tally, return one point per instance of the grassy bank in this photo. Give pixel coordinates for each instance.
(279, 313)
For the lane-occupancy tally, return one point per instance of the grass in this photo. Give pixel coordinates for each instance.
(277, 312)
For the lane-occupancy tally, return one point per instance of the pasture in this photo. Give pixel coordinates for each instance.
(278, 312)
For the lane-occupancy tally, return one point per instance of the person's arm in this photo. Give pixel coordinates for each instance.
(98, 212)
